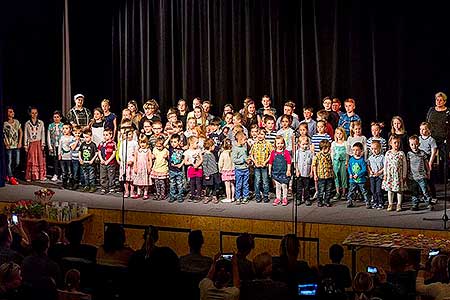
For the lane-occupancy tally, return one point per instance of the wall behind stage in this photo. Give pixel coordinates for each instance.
(390, 57)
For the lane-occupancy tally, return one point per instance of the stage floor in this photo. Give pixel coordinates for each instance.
(337, 214)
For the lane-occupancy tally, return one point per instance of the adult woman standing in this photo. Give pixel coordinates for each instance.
(439, 117)
(136, 115)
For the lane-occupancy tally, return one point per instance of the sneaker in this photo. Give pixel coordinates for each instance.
(196, 199)
(226, 200)
(181, 200)
(126, 195)
(13, 181)
(135, 196)
(308, 203)
(244, 201)
(92, 189)
(350, 204)
(430, 207)
(276, 202)
(319, 204)
(145, 196)
(215, 200)
(171, 200)
(328, 204)
(368, 206)
(103, 192)
(284, 202)
(399, 207)
(380, 206)
(390, 207)
(54, 178)
(86, 189)
(207, 200)
(258, 200)
(337, 197)
(112, 191)
(266, 200)
(415, 207)
(434, 200)
(238, 201)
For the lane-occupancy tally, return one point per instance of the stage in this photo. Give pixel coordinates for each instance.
(338, 214)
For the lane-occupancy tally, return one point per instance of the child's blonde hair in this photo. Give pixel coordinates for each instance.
(402, 128)
(280, 138)
(200, 131)
(427, 126)
(353, 125)
(342, 130)
(323, 114)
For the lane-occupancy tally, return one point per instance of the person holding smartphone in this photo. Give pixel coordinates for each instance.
(222, 281)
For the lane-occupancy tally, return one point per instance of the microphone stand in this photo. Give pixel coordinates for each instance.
(294, 184)
(444, 217)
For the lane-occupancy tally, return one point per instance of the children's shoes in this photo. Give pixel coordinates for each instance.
(284, 202)
(276, 201)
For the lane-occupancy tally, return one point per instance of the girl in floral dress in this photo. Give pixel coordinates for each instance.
(395, 172)
(34, 143)
(143, 166)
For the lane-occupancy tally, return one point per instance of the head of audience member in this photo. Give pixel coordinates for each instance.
(336, 253)
(114, 238)
(262, 263)
(245, 244)
(72, 280)
(10, 277)
(223, 270)
(290, 247)
(439, 265)
(398, 260)
(164, 261)
(363, 285)
(74, 233)
(195, 241)
(55, 234)
(40, 243)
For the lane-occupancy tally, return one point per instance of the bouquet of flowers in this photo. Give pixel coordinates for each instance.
(44, 195)
(26, 208)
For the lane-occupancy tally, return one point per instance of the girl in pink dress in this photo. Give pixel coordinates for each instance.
(34, 143)
(143, 167)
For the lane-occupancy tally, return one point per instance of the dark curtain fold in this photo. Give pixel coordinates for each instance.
(225, 50)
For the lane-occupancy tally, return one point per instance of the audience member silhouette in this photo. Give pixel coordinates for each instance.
(113, 252)
(337, 272)
(245, 244)
(195, 262)
(10, 281)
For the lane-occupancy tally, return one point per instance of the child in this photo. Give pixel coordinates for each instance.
(375, 165)
(176, 175)
(429, 146)
(287, 132)
(182, 109)
(253, 135)
(75, 147)
(200, 117)
(398, 129)
(395, 171)
(340, 162)
(157, 133)
(269, 127)
(336, 107)
(323, 115)
(191, 123)
(97, 126)
(303, 170)
(12, 138)
(357, 172)
(214, 134)
(65, 155)
(87, 156)
(110, 118)
(147, 129)
(419, 172)
(54, 133)
(193, 159)
(238, 120)
(333, 117)
(34, 143)
(226, 169)
(375, 128)
(160, 169)
(211, 173)
(260, 154)
(107, 155)
(151, 108)
(320, 135)
(348, 117)
(171, 119)
(127, 150)
(142, 167)
(241, 160)
(312, 126)
(280, 170)
(356, 137)
(262, 111)
(322, 166)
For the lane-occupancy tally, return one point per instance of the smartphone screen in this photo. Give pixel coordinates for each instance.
(372, 270)
(227, 256)
(15, 219)
(433, 252)
(308, 289)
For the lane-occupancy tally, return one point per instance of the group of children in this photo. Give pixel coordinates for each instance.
(249, 146)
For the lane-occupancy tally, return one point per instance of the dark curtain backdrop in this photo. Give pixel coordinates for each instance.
(391, 56)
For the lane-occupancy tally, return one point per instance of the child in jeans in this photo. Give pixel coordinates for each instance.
(107, 155)
(176, 174)
(418, 173)
(54, 133)
(322, 166)
(357, 172)
(260, 154)
(87, 156)
(375, 165)
(280, 170)
(75, 146)
(303, 170)
(240, 158)
(65, 155)
(12, 138)
(211, 173)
